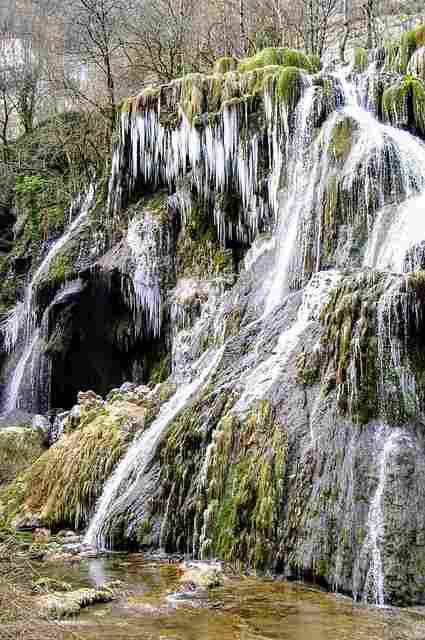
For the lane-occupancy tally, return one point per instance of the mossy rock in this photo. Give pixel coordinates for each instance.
(416, 66)
(281, 56)
(290, 86)
(403, 104)
(61, 605)
(223, 65)
(342, 138)
(410, 41)
(246, 470)
(64, 484)
(360, 60)
(19, 448)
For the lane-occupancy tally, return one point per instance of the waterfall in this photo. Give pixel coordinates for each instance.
(374, 587)
(117, 493)
(21, 321)
(11, 394)
(298, 200)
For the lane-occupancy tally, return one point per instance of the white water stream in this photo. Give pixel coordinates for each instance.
(384, 170)
(375, 584)
(117, 490)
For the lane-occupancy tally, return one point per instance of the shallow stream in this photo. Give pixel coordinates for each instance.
(244, 608)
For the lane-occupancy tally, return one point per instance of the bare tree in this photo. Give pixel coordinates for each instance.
(95, 41)
(346, 31)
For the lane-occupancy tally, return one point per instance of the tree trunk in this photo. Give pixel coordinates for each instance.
(346, 33)
(368, 9)
(111, 92)
(242, 26)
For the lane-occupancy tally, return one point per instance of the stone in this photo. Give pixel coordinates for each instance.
(42, 536)
(61, 605)
(45, 584)
(27, 521)
(202, 574)
(89, 399)
(128, 387)
(41, 422)
(66, 533)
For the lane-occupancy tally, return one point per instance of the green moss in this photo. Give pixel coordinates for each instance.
(19, 448)
(350, 348)
(280, 56)
(65, 482)
(200, 227)
(409, 42)
(360, 60)
(404, 102)
(144, 531)
(294, 58)
(266, 57)
(342, 138)
(308, 369)
(192, 96)
(247, 488)
(223, 65)
(60, 270)
(161, 370)
(290, 86)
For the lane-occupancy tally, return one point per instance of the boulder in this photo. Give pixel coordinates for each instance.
(47, 585)
(65, 604)
(204, 575)
(89, 399)
(42, 536)
(128, 387)
(27, 521)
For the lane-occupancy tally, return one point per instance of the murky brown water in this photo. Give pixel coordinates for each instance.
(243, 609)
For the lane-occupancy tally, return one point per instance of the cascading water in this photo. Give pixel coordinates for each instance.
(11, 395)
(116, 496)
(21, 321)
(374, 588)
(380, 175)
(297, 202)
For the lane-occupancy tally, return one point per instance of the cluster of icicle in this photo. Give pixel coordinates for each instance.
(147, 239)
(213, 159)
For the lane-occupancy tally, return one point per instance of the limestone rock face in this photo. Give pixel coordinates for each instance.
(249, 303)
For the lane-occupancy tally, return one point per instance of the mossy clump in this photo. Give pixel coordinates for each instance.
(348, 358)
(360, 60)
(225, 64)
(264, 58)
(341, 139)
(290, 86)
(410, 41)
(192, 96)
(181, 457)
(246, 472)
(60, 270)
(64, 484)
(222, 482)
(403, 104)
(416, 66)
(19, 448)
(280, 56)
